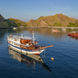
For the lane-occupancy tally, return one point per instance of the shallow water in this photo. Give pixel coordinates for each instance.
(64, 52)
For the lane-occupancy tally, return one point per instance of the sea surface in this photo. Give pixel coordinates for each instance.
(64, 52)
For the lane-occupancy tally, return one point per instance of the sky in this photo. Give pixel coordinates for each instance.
(33, 9)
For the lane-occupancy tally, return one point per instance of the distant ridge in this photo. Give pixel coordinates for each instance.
(59, 20)
(56, 20)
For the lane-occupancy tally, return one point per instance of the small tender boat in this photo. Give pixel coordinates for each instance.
(73, 35)
(14, 28)
(26, 45)
(55, 30)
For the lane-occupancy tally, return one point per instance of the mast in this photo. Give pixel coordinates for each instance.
(33, 37)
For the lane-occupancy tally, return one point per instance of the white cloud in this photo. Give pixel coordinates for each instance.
(65, 8)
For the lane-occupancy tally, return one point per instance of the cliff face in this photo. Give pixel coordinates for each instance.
(40, 22)
(1, 18)
(56, 20)
(6, 23)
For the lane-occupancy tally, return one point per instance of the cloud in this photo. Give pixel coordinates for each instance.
(65, 8)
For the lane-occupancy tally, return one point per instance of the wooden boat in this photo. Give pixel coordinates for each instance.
(73, 34)
(26, 45)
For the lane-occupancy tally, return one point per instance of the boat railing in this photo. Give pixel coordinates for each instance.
(18, 36)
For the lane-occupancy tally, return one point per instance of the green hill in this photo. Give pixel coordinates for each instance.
(18, 22)
(43, 21)
(56, 20)
(6, 23)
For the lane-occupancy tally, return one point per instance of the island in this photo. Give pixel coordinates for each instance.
(57, 20)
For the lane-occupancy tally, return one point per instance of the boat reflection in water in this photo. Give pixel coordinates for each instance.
(29, 60)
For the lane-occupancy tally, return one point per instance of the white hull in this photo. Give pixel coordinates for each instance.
(18, 56)
(26, 52)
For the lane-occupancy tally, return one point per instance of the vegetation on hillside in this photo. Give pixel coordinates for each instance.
(6, 23)
(73, 24)
(18, 22)
(56, 20)
(43, 21)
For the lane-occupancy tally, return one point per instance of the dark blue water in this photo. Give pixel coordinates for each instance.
(64, 52)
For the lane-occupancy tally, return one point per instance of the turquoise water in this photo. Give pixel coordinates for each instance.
(64, 52)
